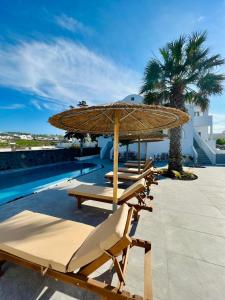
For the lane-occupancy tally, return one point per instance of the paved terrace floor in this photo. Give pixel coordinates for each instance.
(187, 231)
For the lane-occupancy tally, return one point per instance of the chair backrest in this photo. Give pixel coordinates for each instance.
(132, 189)
(101, 239)
(145, 173)
(148, 164)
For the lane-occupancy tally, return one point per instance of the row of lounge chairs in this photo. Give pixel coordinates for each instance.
(139, 189)
(70, 251)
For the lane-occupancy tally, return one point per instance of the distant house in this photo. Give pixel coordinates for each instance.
(26, 137)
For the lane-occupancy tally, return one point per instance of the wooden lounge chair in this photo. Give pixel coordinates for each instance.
(147, 165)
(148, 175)
(134, 163)
(85, 192)
(69, 251)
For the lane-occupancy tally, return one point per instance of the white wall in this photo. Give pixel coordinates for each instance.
(204, 132)
(133, 148)
(102, 141)
(134, 98)
(157, 148)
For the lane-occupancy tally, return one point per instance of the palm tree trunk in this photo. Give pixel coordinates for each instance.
(175, 151)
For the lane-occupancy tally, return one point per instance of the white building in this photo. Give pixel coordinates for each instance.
(197, 139)
(26, 137)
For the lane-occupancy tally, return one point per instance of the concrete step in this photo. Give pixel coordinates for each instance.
(202, 157)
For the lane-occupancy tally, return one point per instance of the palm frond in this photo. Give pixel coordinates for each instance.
(198, 99)
(195, 41)
(152, 76)
(202, 101)
(176, 49)
(153, 69)
(211, 84)
(165, 53)
(185, 63)
(213, 61)
(156, 97)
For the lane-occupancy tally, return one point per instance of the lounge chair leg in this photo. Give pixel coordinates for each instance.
(79, 202)
(136, 216)
(2, 262)
(148, 189)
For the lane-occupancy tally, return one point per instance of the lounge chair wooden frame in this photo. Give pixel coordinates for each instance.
(149, 180)
(148, 164)
(81, 279)
(139, 195)
(134, 164)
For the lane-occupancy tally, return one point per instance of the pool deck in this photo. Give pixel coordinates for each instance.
(186, 228)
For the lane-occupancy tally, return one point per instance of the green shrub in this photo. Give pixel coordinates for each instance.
(220, 141)
(176, 174)
(186, 175)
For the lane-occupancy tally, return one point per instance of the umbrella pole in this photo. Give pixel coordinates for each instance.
(115, 160)
(146, 151)
(139, 155)
(127, 151)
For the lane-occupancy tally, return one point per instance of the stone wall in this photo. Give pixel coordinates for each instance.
(24, 159)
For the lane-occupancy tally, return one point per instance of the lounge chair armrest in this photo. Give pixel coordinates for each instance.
(147, 266)
(147, 275)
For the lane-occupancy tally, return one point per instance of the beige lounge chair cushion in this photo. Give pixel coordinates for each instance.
(106, 235)
(135, 161)
(130, 170)
(129, 176)
(57, 243)
(135, 170)
(134, 164)
(132, 189)
(93, 191)
(43, 239)
(105, 193)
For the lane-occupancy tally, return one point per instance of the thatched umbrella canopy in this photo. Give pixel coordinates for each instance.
(156, 136)
(126, 118)
(152, 136)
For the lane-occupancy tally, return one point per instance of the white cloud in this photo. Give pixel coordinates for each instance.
(218, 123)
(72, 24)
(41, 104)
(36, 104)
(200, 19)
(64, 72)
(194, 19)
(12, 106)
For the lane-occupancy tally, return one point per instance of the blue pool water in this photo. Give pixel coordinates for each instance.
(19, 183)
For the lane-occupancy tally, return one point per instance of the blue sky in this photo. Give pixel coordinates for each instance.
(55, 53)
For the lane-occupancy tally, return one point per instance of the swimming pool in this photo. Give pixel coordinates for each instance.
(19, 183)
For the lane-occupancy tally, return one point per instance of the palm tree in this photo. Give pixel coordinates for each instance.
(82, 103)
(184, 74)
(77, 135)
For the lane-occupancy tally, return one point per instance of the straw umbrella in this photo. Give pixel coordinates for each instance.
(144, 138)
(126, 118)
